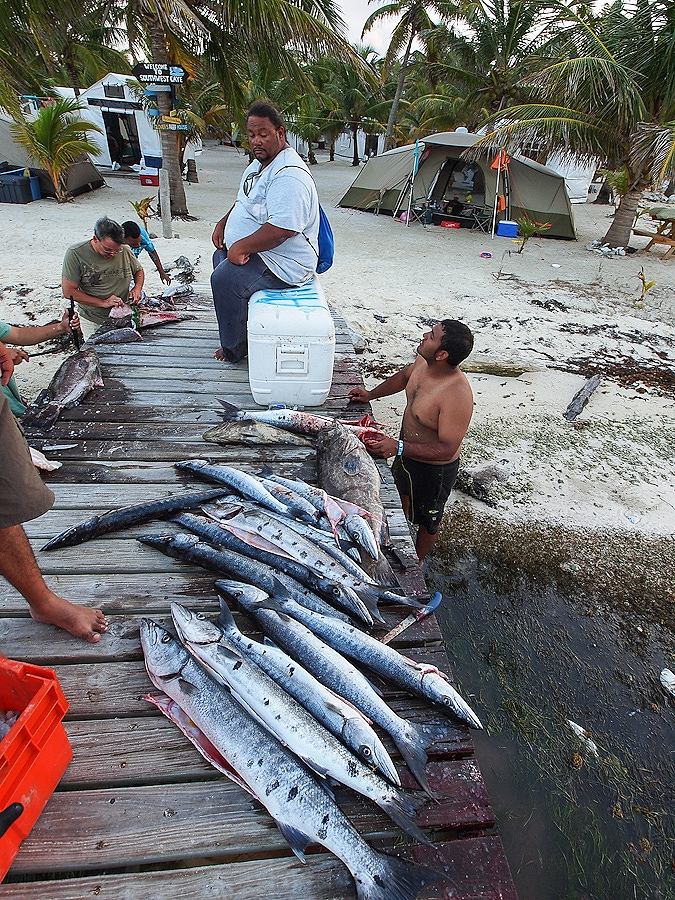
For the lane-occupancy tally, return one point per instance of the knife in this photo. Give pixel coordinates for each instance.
(414, 617)
(76, 333)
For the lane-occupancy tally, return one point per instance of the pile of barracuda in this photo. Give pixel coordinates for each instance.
(284, 717)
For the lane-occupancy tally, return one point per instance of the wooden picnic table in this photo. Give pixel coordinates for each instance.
(139, 812)
(664, 219)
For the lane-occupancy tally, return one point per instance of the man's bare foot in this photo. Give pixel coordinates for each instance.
(220, 355)
(79, 621)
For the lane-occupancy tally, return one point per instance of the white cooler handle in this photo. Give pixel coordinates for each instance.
(292, 360)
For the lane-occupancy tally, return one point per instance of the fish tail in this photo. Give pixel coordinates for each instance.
(418, 738)
(370, 596)
(402, 809)
(394, 879)
(401, 599)
(230, 412)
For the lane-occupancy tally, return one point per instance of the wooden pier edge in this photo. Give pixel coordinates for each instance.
(139, 812)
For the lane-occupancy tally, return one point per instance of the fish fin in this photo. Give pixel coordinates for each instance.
(230, 413)
(226, 619)
(227, 653)
(188, 686)
(414, 749)
(369, 598)
(297, 841)
(397, 879)
(281, 592)
(402, 809)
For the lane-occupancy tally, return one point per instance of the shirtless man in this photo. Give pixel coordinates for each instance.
(435, 421)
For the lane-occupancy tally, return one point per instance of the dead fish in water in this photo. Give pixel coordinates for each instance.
(244, 484)
(304, 811)
(294, 420)
(667, 679)
(116, 336)
(288, 720)
(126, 516)
(76, 376)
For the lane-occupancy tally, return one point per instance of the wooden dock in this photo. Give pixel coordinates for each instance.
(139, 813)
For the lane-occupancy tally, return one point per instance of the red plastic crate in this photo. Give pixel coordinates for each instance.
(150, 180)
(35, 753)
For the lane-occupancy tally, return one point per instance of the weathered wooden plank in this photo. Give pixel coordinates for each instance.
(477, 869)
(156, 408)
(142, 451)
(142, 361)
(95, 829)
(151, 750)
(128, 472)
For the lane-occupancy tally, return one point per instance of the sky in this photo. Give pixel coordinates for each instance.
(355, 13)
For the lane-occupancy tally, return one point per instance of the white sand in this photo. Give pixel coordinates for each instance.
(614, 468)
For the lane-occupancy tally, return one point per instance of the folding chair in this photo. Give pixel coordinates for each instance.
(482, 219)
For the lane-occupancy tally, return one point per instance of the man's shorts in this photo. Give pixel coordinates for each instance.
(23, 495)
(428, 487)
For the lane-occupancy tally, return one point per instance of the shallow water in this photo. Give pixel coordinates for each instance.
(528, 657)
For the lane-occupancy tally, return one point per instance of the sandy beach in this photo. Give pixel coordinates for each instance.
(543, 321)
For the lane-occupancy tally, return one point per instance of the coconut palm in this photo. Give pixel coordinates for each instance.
(356, 98)
(55, 139)
(414, 21)
(608, 94)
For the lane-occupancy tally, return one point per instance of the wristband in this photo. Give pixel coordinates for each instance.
(399, 450)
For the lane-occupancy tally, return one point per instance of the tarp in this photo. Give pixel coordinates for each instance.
(530, 189)
(82, 175)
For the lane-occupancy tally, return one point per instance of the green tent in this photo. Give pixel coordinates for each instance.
(528, 188)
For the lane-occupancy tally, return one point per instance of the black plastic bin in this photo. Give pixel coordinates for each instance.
(15, 189)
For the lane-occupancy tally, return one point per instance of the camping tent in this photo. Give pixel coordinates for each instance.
(82, 175)
(528, 188)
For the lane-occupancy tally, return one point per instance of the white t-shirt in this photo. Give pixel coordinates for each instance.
(287, 198)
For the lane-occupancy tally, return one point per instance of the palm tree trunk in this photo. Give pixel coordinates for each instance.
(355, 133)
(170, 155)
(331, 157)
(393, 112)
(619, 231)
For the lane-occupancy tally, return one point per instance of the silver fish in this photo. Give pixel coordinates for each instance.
(289, 721)
(357, 528)
(337, 673)
(299, 507)
(116, 336)
(303, 810)
(76, 376)
(339, 716)
(421, 679)
(293, 420)
(241, 482)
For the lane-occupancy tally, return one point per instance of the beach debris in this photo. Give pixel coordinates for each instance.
(605, 250)
(40, 461)
(482, 481)
(581, 398)
(667, 679)
(645, 285)
(304, 811)
(126, 516)
(74, 379)
(583, 736)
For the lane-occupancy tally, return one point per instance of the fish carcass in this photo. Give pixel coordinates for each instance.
(289, 721)
(303, 810)
(75, 377)
(293, 420)
(337, 673)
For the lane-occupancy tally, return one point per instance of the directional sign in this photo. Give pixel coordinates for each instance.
(152, 73)
(165, 126)
(172, 120)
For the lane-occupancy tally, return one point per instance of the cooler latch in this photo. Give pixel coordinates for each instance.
(292, 360)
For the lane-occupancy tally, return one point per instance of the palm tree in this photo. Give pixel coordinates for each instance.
(55, 139)
(608, 94)
(414, 21)
(356, 101)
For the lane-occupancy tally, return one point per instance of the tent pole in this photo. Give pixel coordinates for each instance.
(410, 198)
(494, 211)
(399, 202)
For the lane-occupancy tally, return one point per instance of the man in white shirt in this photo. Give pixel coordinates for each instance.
(269, 239)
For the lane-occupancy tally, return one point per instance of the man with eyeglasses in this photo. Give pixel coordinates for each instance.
(98, 272)
(269, 239)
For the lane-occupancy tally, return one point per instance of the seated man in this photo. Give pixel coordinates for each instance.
(454, 207)
(97, 273)
(138, 239)
(435, 421)
(23, 496)
(269, 239)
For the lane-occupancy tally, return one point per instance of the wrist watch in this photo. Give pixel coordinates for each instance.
(399, 449)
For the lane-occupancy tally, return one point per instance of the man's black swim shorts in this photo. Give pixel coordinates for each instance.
(428, 487)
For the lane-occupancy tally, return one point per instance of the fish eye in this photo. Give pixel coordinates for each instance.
(201, 617)
(165, 638)
(365, 751)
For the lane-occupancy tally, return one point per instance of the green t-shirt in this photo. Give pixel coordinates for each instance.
(98, 276)
(11, 391)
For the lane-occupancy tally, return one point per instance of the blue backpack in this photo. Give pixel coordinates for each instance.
(326, 249)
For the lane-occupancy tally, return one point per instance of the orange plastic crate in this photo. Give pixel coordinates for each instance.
(35, 753)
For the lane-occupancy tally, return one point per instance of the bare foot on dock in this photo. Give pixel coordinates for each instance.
(220, 355)
(80, 621)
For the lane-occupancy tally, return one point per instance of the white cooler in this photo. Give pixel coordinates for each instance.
(291, 346)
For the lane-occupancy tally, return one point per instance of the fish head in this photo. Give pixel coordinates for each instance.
(358, 734)
(164, 656)
(194, 628)
(247, 596)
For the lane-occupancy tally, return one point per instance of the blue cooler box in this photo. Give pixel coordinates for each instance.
(507, 229)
